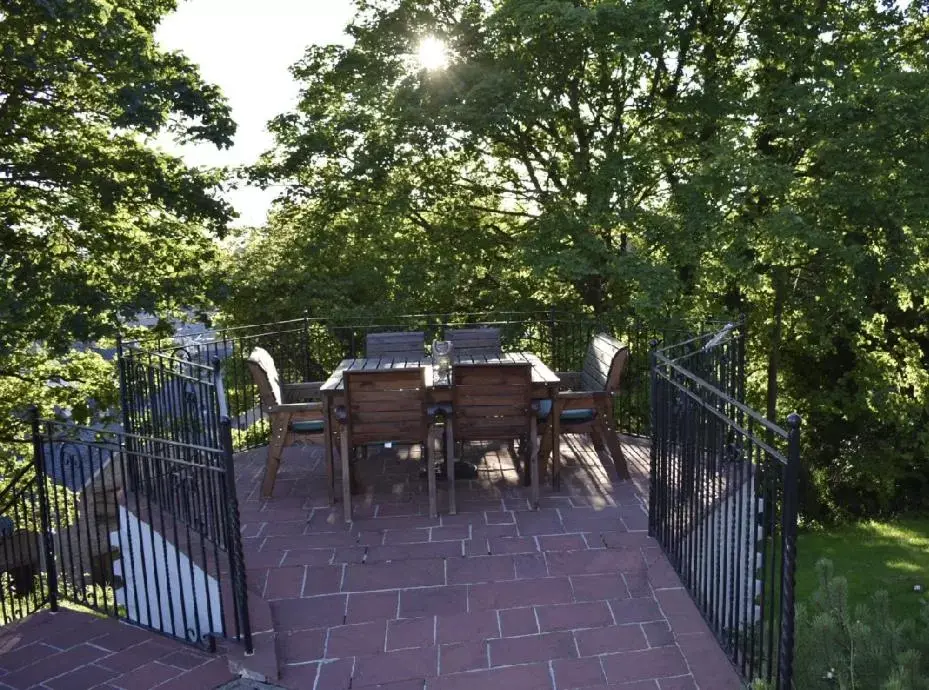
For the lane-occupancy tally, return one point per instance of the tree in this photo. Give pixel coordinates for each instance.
(667, 158)
(838, 646)
(553, 123)
(95, 222)
(820, 224)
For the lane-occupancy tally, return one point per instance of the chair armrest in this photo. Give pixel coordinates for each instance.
(569, 379)
(300, 392)
(579, 400)
(297, 407)
(580, 395)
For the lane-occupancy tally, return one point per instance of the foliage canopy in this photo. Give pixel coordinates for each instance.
(96, 223)
(648, 156)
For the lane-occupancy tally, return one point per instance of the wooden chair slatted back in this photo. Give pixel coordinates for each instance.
(264, 374)
(386, 405)
(491, 401)
(469, 342)
(604, 364)
(411, 344)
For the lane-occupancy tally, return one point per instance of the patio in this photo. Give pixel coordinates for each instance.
(574, 595)
(71, 651)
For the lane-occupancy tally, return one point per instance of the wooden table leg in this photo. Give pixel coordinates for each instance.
(346, 477)
(430, 471)
(556, 445)
(328, 433)
(450, 465)
(533, 460)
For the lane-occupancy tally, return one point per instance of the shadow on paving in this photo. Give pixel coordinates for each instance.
(575, 594)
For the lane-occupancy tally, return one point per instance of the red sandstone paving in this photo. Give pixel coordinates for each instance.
(360, 638)
(462, 656)
(592, 614)
(575, 595)
(595, 641)
(146, 676)
(520, 621)
(411, 632)
(302, 646)
(509, 651)
(438, 601)
(467, 627)
(390, 667)
(84, 677)
(527, 677)
(577, 673)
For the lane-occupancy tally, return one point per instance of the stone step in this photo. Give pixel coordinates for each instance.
(263, 664)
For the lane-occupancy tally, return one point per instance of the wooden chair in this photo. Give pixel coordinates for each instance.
(586, 406)
(475, 342)
(287, 409)
(381, 406)
(493, 402)
(410, 345)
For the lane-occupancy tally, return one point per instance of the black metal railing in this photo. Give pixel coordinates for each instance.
(174, 399)
(723, 500)
(24, 583)
(308, 349)
(135, 527)
(169, 396)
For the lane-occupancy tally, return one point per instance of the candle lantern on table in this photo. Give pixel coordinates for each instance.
(442, 357)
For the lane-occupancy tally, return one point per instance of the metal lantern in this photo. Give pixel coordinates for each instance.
(442, 356)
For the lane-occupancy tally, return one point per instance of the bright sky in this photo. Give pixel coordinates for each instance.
(246, 47)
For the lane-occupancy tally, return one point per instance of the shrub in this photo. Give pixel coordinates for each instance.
(255, 435)
(858, 649)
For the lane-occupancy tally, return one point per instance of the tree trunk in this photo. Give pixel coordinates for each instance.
(774, 352)
(593, 293)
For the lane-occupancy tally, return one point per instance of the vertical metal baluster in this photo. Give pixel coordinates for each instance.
(742, 572)
(759, 568)
(8, 545)
(653, 450)
(701, 562)
(85, 516)
(150, 449)
(167, 498)
(788, 552)
(184, 494)
(770, 534)
(236, 557)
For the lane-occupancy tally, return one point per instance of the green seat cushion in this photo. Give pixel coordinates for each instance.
(577, 416)
(308, 426)
(568, 416)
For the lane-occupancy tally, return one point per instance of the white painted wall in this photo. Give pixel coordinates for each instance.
(149, 561)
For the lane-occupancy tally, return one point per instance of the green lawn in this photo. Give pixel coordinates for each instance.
(871, 556)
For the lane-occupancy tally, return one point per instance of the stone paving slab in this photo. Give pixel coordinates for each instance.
(69, 650)
(573, 595)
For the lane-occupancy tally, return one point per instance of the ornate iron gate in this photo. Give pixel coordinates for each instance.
(136, 526)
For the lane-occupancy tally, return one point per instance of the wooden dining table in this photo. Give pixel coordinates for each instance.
(545, 385)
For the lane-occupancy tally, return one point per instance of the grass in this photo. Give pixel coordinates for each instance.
(893, 556)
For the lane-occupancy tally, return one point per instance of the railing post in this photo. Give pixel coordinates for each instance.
(789, 552)
(121, 370)
(740, 367)
(48, 547)
(653, 448)
(306, 346)
(234, 538)
(551, 337)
